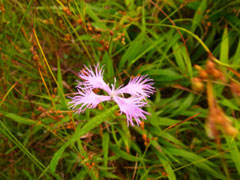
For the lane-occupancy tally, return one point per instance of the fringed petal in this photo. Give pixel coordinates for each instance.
(132, 108)
(86, 99)
(138, 86)
(93, 79)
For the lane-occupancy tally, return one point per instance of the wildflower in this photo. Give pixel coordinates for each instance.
(138, 88)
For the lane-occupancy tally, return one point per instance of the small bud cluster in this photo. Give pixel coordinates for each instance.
(216, 117)
(67, 11)
(102, 36)
(144, 135)
(48, 21)
(2, 8)
(235, 88)
(120, 37)
(205, 21)
(57, 116)
(35, 56)
(99, 35)
(88, 162)
(211, 72)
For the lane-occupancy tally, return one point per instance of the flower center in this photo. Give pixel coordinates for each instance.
(112, 94)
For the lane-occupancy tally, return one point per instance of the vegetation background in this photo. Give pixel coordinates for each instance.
(43, 46)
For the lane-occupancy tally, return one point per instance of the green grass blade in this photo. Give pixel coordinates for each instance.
(60, 86)
(182, 59)
(199, 15)
(105, 146)
(124, 154)
(91, 124)
(166, 164)
(234, 151)
(19, 119)
(224, 46)
(108, 62)
(11, 137)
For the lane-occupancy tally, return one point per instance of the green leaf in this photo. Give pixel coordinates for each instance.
(109, 175)
(107, 60)
(130, 5)
(60, 86)
(105, 145)
(199, 15)
(164, 76)
(196, 160)
(237, 54)
(234, 151)
(137, 49)
(228, 103)
(123, 154)
(92, 14)
(91, 124)
(162, 121)
(6, 132)
(165, 162)
(182, 58)
(19, 119)
(224, 46)
(81, 175)
(185, 104)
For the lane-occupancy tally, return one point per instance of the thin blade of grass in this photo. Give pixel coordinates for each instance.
(199, 15)
(91, 124)
(105, 146)
(224, 46)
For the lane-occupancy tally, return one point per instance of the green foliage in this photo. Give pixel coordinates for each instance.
(43, 46)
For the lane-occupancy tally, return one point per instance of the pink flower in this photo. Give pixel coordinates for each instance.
(139, 88)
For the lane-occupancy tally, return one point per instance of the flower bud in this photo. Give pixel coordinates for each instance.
(197, 67)
(111, 32)
(197, 85)
(235, 88)
(210, 65)
(230, 130)
(144, 136)
(142, 125)
(79, 21)
(203, 74)
(216, 73)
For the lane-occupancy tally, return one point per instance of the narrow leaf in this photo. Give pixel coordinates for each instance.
(224, 46)
(91, 124)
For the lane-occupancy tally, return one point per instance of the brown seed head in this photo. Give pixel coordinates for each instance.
(217, 117)
(209, 23)
(67, 37)
(144, 136)
(61, 116)
(197, 85)
(210, 65)
(197, 67)
(100, 107)
(203, 74)
(2, 8)
(235, 88)
(216, 73)
(36, 57)
(111, 33)
(230, 130)
(142, 125)
(79, 21)
(67, 11)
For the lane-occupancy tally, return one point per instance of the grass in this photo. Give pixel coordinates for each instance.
(190, 48)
